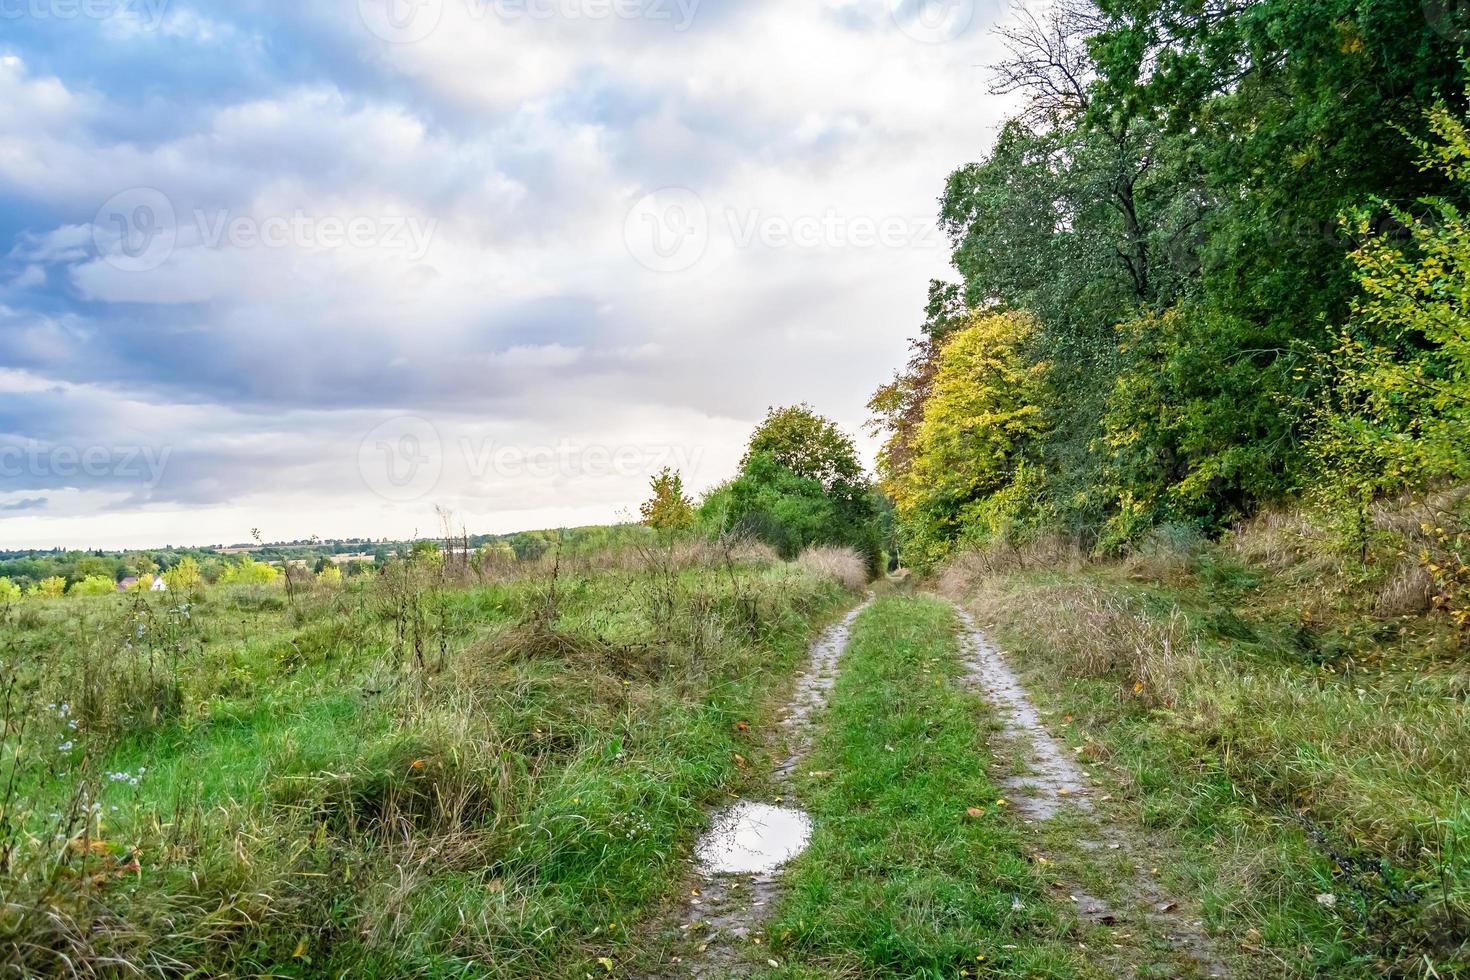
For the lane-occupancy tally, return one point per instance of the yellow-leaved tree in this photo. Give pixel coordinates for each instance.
(50, 588)
(669, 510)
(1397, 410)
(184, 577)
(979, 420)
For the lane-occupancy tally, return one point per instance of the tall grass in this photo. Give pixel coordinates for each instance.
(842, 565)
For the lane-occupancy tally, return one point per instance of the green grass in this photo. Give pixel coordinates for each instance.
(401, 778)
(898, 880)
(1279, 740)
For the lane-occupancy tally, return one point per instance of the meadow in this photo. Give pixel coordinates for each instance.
(425, 772)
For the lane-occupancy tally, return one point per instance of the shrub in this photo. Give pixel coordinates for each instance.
(184, 577)
(248, 571)
(669, 509)
(93, 585)
(9, 591)
(50, 588)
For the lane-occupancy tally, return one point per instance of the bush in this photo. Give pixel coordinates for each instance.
(53, 587)
(184, 577)
(248, 571)
(93, 585)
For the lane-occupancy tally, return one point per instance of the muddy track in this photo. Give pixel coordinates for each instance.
(1051, 784)
(716, 928)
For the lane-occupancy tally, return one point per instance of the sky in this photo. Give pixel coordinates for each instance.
(327, 268)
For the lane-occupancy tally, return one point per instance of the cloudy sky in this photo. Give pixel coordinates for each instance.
(318, 268)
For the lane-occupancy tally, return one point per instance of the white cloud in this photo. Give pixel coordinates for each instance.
(524, 319)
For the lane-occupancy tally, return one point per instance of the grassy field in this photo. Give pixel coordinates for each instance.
(402, 777)
(1289, 726)
(901, 878)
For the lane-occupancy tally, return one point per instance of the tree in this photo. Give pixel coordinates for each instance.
(798, 439)
(93, 585)
(1398, 382)
(898, 407)
(96, 565)
(184, 577)
(330, 577)
(980, 423)
(52, 587)
(800, 483)
(9, 591)
(668, 510)
(248, 571)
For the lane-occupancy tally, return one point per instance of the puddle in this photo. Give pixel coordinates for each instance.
(736, 880)
(1054, 779)
(753, 838)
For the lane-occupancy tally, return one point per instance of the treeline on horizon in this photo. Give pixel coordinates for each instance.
(26, 569)
(1216, 262)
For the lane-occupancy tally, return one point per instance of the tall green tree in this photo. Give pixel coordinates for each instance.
(801, 483)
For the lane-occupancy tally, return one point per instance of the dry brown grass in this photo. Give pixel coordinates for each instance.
(1409, 591)
(968, 568)
(1278, 539)
(1407, 515)
(841, 564)
(1102, 634)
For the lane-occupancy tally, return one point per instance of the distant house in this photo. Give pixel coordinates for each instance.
(131, 582)
(159, 585)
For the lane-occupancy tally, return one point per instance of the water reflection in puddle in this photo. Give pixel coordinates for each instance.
(751, 838)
